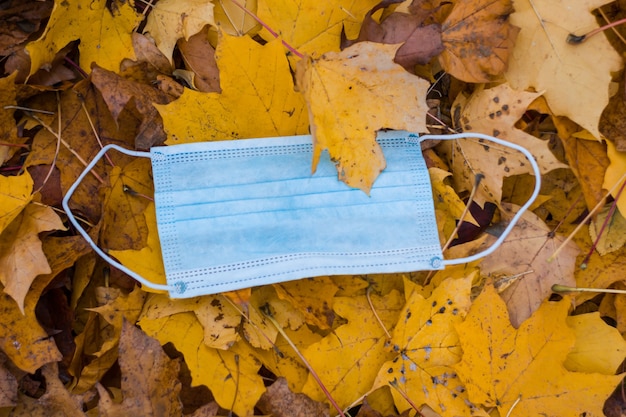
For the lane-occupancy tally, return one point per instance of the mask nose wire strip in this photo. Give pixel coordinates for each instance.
(522, 209)
(82, 231)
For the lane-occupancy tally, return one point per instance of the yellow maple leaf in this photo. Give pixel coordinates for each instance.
(171, 20)
(105, 36)
(15, 195)
(351, 95)
(347, 377)
(257, 99)
(313, 297)
(426, 347)
(543, 60)
(494, 112)
(599, 347)
(313, 27)
(615, 173)
(231, 374)
(521, 372)
(21, 255)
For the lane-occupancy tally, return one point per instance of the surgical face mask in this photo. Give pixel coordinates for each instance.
(241, 213)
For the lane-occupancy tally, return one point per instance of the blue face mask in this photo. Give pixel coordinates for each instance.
(241, 213)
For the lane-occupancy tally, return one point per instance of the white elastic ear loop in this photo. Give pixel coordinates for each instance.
(82, 231)
(522, 209)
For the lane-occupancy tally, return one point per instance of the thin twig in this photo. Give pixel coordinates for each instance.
(58, 147)
(380, 322)
(93, 129)
(477, 179)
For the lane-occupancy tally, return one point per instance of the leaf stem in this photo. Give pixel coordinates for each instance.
(567, 289)
(578, 39)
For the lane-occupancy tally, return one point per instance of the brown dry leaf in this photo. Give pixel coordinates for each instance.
(613, 119)
(118, 92)
(21, 254)
(56, 402)
(478, 38)
(124, 225)
(419, 43)
(146, 51)
(494, 112)
(351, 95)
(526, 251)
(199, 57)
(21, 19)
(543, 60)
(588, 160)
(8, 385)
(150, 384)
(280, 401)
(8, 129)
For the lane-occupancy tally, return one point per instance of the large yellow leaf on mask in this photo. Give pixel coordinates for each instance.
(351, 95)
(523, 369)
(257, 99)
(105, 36)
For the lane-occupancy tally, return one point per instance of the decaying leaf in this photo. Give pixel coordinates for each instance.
(199, 57)
(521, 371)
(478, 38)
(313, 297)
(255, 80)
(150, 384)
(351, 95)
(8, 129)
(280, 401)
(544, 61)
(8, 385)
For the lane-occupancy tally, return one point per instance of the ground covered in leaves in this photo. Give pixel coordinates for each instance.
(485, 338)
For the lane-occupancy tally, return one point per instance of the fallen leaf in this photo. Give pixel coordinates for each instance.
(349, 377)
(171, 20)
(21, 19)
(199, 57)
(521, 371)
(231, 376)
(600, 272)
(117, 92)
(599, 348)
(612, 121)
(150, 384)
(494, 112)
(524, 254)
(100, 338)
(313, 297)
(21, 254)
(478, 38)
(96, 26)
(613, 236)
(614, 174)
(280, 401)
(56, 401)
(22, 338)
(146, 261)
(587, 159)
(233, 20)
(8, 128)
(255, 80)
(146, 51)
(8, 385)
(426, 347)
(15, 195)
(544, 61)
(351, 95)
(310, 26)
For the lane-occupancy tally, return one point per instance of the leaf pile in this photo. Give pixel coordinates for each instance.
(486, 338)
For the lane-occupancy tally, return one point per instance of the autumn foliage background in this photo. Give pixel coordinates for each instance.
(487, 338)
